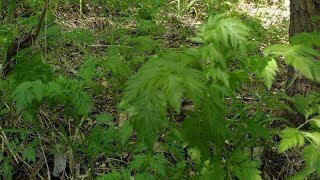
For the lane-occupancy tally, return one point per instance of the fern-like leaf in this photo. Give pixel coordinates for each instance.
(307, 39)
(225, 30)
(148, 116)
(314, 137)
(244, 167)
(81, 102)
(269, 72)
(291, 138)
(27, 92)
(66, 91)
(312, 160)
(311, 155)
(160, 84)
(80, 36)
(152, 163)
(116, 66)
(233, 32)
(88, 70)
(300, 57)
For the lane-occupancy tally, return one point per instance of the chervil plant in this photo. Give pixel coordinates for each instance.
(307, 135)
(196, 83)
(140, 90)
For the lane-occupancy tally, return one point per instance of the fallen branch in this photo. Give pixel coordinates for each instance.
(24, 42)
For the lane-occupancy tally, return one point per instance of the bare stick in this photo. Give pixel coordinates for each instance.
(24, 42)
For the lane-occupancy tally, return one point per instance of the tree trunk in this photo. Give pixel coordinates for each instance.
(304, 17)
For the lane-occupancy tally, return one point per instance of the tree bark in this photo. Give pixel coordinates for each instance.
(304, 17)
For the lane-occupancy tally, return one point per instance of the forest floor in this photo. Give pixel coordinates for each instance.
(171, 33)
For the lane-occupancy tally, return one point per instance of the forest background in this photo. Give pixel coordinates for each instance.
(160, 89)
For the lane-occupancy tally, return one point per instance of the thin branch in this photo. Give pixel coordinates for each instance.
(24, 42)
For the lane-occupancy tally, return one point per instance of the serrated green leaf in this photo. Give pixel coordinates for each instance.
(234, 32)
(313, 136)
(27, 92)
(302, 104)
(148, 117)
(308, 39)
(311, 155)
(219, 75)
(248, 171)
(300, 57)
(82, 103)
(54, 89)
(244, 167)
(137, 162)
(221, 29)
(213, 169)
(144, 176)
(23, 96)
(116, 66)
(316, 121)
(197, 40)
(29, 154)
(195, 155)
(160, 84)
(174, 90)
(158, 164)
(198, 136)
(39, 90)
(291, 138)
(80, 36)
(149, 163)
(212, 55)
(114, 175)
(7, 169)
(104, 118)
(264, 68)
(88, 70)
(126, 131)
(269, 72)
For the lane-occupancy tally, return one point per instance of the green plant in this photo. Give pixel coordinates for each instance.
(155, 96)
(201, 77)
(309, 138)
(120, 103)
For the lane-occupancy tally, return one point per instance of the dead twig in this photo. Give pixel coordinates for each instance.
(24, 42)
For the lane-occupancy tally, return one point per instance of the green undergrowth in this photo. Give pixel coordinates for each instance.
(130, 100)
